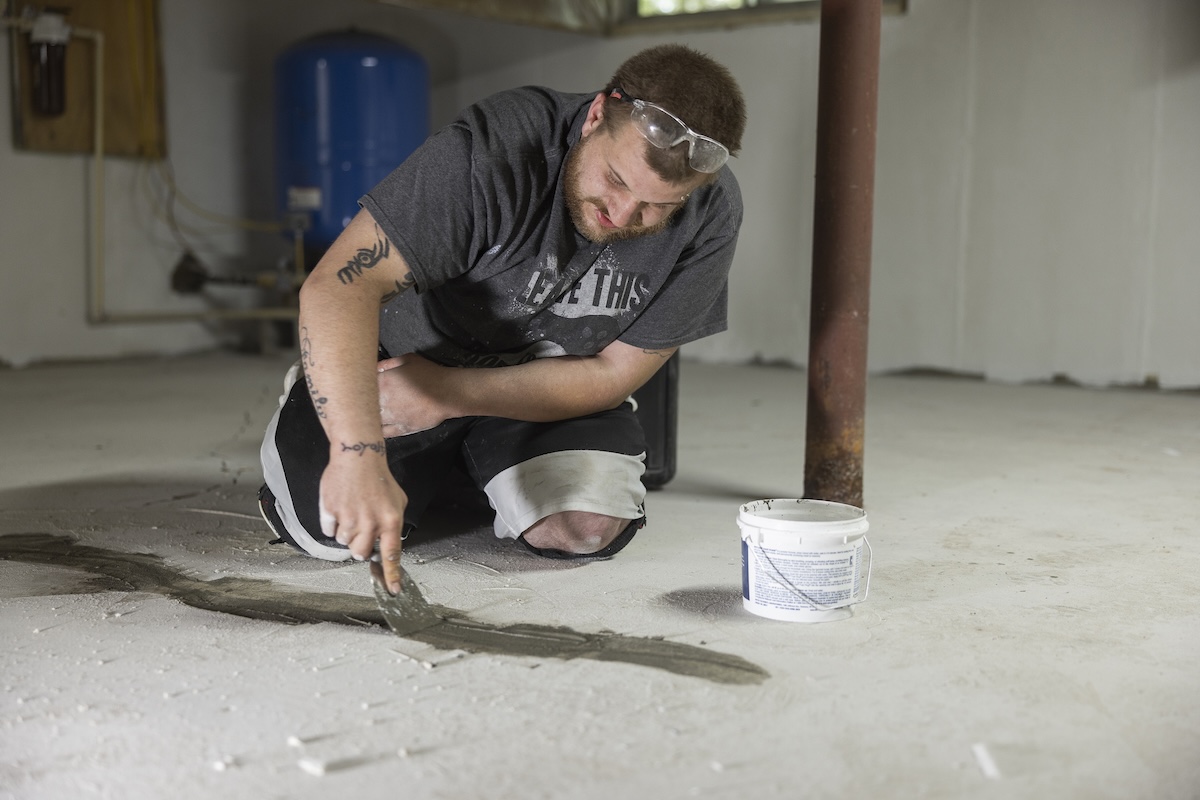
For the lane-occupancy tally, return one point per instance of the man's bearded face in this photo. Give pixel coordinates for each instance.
(611, 193)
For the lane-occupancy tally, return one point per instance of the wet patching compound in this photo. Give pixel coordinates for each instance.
(802, 559)
(411, 617)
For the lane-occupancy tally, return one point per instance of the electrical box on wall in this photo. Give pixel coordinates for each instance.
(54, 72)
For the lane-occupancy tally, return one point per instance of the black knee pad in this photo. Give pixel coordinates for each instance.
(610, 550)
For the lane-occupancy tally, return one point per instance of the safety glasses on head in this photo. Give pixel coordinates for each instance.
(664, 130)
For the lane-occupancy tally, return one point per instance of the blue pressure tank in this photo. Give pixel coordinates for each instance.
(349, 107)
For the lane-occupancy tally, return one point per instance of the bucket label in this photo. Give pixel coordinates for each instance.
(795, 580)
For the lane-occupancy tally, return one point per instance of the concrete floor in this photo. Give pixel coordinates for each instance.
(1032, 629)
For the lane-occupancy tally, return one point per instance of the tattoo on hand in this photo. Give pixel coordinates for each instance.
(365, 258)
(362, 447)
(401, 287)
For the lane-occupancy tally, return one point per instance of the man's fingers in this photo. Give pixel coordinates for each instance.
(361, 546)
(389, 363)
(389, 551)
(328, 521)
(394, 431)
(360, 543)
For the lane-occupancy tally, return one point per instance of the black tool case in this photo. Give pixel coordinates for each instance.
(658, 411)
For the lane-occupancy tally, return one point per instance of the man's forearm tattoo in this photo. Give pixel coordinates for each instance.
(362, 447)
(365, 258)
(306, 362)
(401, 287)
(306, 359)
(318, 400)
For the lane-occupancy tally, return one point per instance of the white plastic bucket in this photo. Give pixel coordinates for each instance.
(802, 559)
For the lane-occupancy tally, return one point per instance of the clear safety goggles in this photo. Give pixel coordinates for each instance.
(664, 130)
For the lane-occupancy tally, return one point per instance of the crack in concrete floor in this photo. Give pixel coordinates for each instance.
(409, 615)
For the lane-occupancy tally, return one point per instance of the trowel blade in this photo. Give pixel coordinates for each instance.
(407, 612)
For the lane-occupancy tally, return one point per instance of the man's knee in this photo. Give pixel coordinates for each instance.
(576, 532)
(579, 534)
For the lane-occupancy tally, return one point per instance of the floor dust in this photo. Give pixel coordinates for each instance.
(1031, 630)
(409, 615)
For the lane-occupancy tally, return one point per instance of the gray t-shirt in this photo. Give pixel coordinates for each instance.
(501, 274)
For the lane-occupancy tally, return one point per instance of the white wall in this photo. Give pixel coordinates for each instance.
(1037, 193)
(217, 60)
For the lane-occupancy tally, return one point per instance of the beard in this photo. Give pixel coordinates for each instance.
(583, 207)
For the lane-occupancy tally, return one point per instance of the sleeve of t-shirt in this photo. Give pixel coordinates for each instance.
(425, 207)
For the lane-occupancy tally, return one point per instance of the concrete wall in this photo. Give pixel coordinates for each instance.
(1038, 181)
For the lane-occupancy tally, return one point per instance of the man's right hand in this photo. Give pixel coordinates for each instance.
(362, 504)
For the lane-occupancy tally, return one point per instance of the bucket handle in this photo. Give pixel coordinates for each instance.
(822, 606)
(870, 566)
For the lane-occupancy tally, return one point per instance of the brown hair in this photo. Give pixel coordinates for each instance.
(690, 85)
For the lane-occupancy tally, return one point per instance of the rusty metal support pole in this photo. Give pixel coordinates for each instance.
(841, 265)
